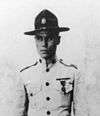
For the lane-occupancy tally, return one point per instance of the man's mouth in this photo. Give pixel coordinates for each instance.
(44, 51)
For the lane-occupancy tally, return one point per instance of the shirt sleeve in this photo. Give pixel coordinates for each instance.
(20, 105)
(79, 96)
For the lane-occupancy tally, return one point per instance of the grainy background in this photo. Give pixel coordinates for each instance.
(81, 45)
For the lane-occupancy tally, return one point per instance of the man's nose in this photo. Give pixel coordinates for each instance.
(45, 42)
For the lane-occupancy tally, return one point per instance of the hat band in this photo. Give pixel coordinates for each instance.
(40, 28)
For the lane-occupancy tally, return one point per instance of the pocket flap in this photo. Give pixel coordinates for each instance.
(34, 89)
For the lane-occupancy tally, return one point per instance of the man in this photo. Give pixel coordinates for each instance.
(49, 87)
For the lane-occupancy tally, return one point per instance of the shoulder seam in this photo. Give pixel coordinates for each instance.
(71, 65)
(28, 67)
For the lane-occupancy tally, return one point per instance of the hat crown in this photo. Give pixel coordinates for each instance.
(45, 19)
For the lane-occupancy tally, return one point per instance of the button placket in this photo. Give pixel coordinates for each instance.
(47, 98)
(47, 84)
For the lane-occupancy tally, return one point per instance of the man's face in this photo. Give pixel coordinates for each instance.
(46, 44)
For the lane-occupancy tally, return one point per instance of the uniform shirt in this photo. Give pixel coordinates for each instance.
(50, 92)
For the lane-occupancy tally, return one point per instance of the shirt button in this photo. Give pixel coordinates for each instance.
(31, 94)
(48, 113)
(47, 98)
(47, 83)
(47, 70)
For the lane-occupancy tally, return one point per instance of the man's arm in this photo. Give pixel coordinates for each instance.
(79, 96)
(21, 105)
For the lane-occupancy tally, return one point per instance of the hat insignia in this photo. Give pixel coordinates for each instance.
(43, 21)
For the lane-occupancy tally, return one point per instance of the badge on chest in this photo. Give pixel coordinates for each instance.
(66, 85)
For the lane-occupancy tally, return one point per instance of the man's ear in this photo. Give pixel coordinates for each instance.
(57, 41)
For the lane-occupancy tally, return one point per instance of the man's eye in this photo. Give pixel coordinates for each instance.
(50, 38)
(39, 38)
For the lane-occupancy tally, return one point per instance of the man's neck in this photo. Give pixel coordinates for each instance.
(49, 61)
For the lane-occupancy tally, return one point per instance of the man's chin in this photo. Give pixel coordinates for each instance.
(44, 56)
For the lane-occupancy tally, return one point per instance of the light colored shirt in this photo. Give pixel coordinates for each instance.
(55, 92)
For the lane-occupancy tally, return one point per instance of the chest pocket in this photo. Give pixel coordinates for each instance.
(64, 85)
(34, 89)
(35, 96)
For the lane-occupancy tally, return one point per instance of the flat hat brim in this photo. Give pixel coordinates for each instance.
(58, 29)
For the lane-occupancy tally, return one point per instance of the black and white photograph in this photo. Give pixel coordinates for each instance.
(49, 58)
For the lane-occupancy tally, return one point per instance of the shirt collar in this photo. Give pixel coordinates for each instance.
(43, 64)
